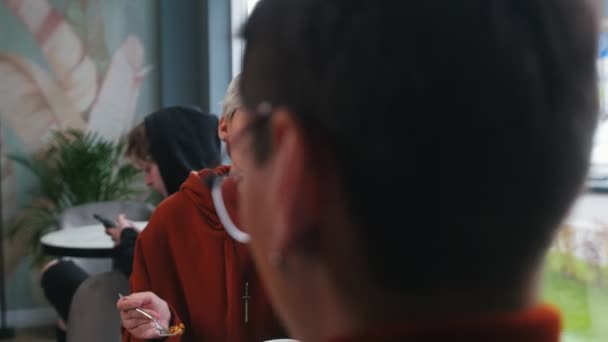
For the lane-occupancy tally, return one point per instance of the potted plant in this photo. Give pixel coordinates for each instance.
(75, 168)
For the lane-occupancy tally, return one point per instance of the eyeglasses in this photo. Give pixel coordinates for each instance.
(224, 189)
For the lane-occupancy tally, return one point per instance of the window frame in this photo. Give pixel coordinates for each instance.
(239, 11)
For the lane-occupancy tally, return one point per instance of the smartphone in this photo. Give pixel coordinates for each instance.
(105, 221)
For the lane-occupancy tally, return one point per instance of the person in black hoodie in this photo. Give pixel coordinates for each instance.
(166, 146)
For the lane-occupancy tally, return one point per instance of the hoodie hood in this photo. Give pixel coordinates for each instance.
(198, 190)
(182, 139)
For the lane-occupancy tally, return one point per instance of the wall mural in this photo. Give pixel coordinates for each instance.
(71, 63)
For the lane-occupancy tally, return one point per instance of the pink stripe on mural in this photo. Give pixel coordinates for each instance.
(14, 5)
(50, 25)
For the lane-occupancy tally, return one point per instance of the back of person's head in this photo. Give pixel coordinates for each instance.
(460, 130)
(179, 139)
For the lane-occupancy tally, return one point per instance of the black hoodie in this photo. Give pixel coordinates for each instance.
(182, 139)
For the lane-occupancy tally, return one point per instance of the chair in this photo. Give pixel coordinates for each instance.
(93, 314)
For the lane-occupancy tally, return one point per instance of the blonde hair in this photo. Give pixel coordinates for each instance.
(232, 99)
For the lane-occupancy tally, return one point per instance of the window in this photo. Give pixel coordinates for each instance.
(251, 4)
(240, 10)
(599, 168)
(576, 272)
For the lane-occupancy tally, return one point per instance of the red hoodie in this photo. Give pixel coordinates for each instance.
(186, 257)
(540, 324)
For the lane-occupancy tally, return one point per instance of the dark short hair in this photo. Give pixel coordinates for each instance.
(461, 129)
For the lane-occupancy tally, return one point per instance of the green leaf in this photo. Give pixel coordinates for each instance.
(75, 168)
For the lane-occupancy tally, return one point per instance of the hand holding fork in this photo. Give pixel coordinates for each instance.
(146, 316)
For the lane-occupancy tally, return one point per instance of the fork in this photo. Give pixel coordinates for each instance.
(160, 330)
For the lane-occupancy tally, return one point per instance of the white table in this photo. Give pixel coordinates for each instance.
(90, 241)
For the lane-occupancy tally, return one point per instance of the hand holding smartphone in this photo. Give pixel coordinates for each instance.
(105, 221)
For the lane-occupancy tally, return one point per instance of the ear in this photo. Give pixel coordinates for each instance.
(295, 189)
(222, 128)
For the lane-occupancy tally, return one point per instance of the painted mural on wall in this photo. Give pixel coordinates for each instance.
(81, 82)
(83, 64)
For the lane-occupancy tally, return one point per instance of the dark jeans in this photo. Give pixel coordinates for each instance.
(60, 283)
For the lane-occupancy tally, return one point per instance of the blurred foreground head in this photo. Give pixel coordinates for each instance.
(408, 158)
